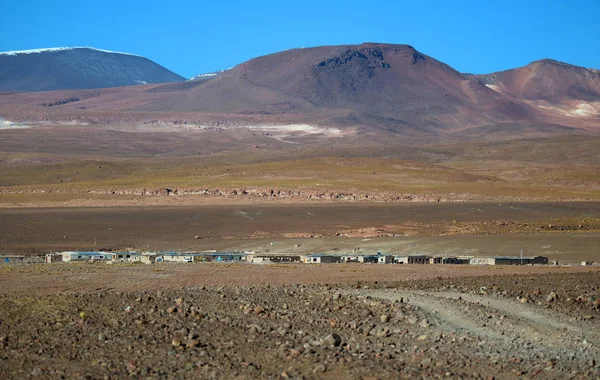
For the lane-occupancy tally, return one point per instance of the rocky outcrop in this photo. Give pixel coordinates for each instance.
(275, 194)
(272, 193)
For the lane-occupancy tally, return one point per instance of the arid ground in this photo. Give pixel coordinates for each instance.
(364, 149)
(168, 187)
(164, 186)
(96, 165)
(351, 321)
(567, 232)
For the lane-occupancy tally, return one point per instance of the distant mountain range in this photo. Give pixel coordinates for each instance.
(77, 68)
(377, 87)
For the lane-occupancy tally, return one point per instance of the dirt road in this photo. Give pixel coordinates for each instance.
(500, 323)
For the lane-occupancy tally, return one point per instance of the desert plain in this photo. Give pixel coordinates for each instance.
(112, 190)
(350, 149)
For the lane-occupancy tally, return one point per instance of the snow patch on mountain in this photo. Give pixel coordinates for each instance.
(207, 76)
(51, 50)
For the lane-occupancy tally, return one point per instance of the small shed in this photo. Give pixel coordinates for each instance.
(449, 260)
(228, 256)
(482, 261)
(401, 260)
(418, 259)
(121, 257)
(273, 259)
(53, 258)
(178, 257)
(350, 258)
(385, 259)
(321, 259)
(517, 260)
(369, 259)
(150, 258)
(82, 256)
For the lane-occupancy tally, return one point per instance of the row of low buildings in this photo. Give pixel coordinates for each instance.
(251, 257)
(144, 257)
(426, 259)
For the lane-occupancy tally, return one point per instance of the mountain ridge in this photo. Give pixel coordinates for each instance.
(77, 68)
(390, 88)
(554, 86)
(64, 48)
(368, 81)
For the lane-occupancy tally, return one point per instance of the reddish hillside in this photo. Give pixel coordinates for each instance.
(391, 86)
(552, 86)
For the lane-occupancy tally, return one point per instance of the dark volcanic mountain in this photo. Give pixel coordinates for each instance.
(77, 68)
(392, 86)
(550, 84)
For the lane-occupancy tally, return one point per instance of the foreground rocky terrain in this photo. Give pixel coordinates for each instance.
(543, 326)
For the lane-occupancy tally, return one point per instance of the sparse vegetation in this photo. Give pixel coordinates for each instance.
(506, 169)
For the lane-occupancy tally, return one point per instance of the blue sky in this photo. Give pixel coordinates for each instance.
(192, 37)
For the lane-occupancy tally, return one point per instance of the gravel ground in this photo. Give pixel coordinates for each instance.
(500, 326)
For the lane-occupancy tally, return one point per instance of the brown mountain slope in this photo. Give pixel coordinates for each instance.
(552, 86)
(393, 86)
(380, 88)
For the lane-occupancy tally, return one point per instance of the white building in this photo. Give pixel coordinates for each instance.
(482, 261)
(69, 256)
(123, 257)
(385, 259)
(320, 259)
(401, 259)
(177, 258)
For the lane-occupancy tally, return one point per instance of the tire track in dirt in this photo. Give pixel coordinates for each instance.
(520, 311)
(505, 325)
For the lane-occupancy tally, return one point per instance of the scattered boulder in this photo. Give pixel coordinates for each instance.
(366, 313)
(319, 368)
(383, 332)
(332, 340)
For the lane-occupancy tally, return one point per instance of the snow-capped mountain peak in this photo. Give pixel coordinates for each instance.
(58, 49)
(68, 68)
